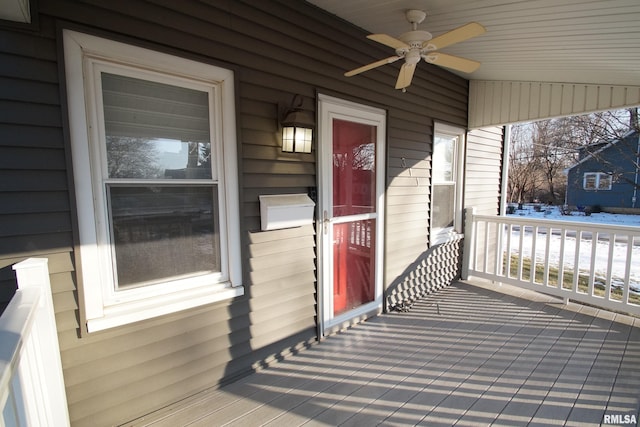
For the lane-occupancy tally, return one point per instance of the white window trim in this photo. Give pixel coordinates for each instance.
(598, 176)
(104, 308)
(439, 236)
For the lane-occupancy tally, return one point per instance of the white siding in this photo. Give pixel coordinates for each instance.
(501, 102)
(483, 168)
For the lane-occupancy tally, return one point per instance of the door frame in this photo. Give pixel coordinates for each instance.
(330, 108)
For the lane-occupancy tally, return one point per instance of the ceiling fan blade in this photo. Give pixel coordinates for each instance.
(388, 41)
(405, 76)
(359, 70)
(454, 62)
(467, 31)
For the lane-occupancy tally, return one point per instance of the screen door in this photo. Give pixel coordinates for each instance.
(352, 189)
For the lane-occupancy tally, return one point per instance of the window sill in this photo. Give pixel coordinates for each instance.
(134, 311)
(451, 236)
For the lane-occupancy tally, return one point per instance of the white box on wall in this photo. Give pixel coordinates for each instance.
(285, 211)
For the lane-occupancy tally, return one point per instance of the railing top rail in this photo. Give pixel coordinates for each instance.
(572, 225)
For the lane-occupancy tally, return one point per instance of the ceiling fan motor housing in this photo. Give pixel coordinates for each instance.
(415, 40)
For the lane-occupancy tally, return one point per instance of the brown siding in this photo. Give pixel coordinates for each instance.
(277, 48)
(408, 218)
(35, 217)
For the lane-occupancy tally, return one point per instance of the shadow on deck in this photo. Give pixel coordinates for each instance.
(471, 354)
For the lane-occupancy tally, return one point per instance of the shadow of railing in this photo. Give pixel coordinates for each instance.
(482, 357)
(435, 268)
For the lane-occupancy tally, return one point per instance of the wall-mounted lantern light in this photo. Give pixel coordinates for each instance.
(297, 128)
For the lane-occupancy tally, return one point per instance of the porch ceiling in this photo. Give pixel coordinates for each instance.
(534, 41)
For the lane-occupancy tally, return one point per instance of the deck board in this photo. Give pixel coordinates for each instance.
(471, 354)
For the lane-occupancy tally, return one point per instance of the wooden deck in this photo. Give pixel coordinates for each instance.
(468, 355)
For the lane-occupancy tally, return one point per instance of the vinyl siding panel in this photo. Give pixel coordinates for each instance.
(436, 266)
(503, 102)
(483, 170)
(34, 202)
(483, 174)
(413, 268)
(277, 49)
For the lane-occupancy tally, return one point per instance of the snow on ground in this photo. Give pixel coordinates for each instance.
(553, 213)
(618, 265)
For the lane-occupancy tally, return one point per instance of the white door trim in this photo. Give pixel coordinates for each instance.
(330, 108)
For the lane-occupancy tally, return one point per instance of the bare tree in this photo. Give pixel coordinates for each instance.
(541, 151)
(131, 157)
(600, 129)
(552, 146)
(522, 178)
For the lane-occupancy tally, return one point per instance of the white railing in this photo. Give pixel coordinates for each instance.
(32, 389)
(591, 263)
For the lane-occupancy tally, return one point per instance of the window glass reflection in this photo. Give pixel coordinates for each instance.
(154, 130)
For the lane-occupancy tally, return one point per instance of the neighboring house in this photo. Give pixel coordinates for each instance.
(606, 175)
(135, 141)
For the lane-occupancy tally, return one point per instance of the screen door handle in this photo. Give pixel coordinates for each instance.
(325, 221)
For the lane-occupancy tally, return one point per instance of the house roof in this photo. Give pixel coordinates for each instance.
(570, 54)
(602, 148)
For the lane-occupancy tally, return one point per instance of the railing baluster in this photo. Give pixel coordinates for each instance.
(534, 241)
(607, 284)
(576, 261)
(563, 239)
(508, 257)
(499, 251)
(494, 240)
(473, 245)
(547, 251)
(520, 249)
(592, 270)
(627, 269)
(485, 264)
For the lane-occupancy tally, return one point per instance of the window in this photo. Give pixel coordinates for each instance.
(596, 181)
(446, 176)
(154, 162)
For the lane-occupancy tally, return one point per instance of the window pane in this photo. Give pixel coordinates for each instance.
(443, 205)
(443, 158)
(354, 163)
(590, 181)
(353, 265)
(605, 182)
(155, 130)
(164, 232)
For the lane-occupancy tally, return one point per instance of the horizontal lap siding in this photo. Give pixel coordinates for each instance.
(35, 216)
(413, 268)
(117, 375)
(483, 170)
(483, 174)
(277, 49)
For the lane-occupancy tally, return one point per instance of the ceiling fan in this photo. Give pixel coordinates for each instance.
(417, 44)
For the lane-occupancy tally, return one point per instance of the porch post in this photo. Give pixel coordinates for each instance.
(42, 369)
(469, 237)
